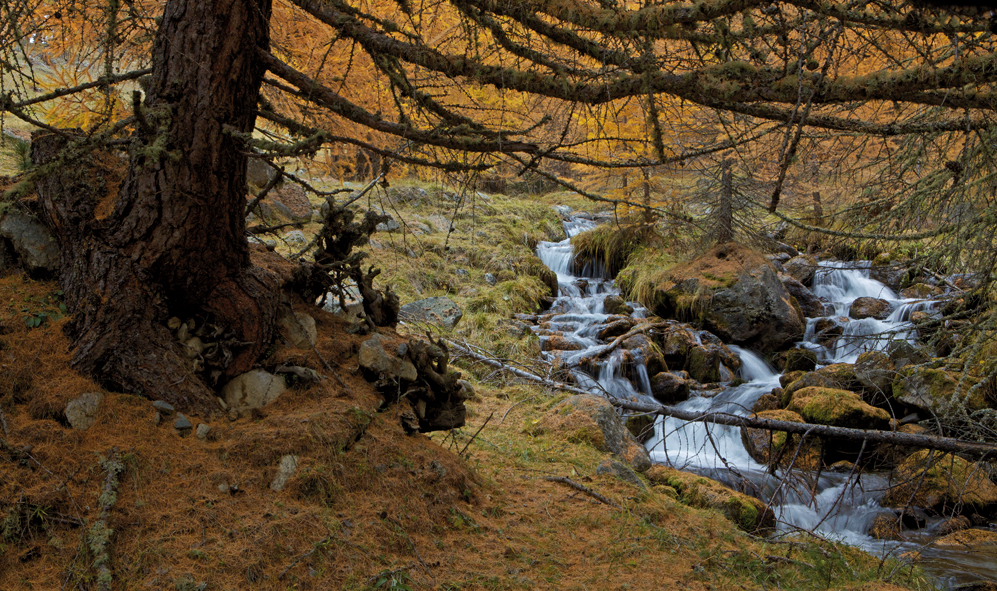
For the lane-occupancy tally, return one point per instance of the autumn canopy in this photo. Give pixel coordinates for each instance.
(894, 100)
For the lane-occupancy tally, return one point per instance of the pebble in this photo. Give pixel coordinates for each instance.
(183, 425)
(202, 431)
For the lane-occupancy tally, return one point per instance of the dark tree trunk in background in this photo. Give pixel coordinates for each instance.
(171, 241)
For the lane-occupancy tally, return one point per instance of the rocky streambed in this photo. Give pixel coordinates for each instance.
(788, 337)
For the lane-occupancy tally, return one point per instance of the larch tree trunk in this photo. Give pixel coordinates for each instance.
(170, 241)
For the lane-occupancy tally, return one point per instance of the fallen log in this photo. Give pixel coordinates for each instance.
(972, 449)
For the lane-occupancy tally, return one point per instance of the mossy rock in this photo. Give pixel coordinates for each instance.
(971, 540)
(839, 375)
(747, 513)
(800, 360)
(766, 447)
(941, 483)
(837, 408)
(931, 389)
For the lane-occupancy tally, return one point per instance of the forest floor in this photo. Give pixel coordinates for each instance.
(368, 507)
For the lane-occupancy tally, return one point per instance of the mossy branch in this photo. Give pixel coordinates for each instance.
(100, 534)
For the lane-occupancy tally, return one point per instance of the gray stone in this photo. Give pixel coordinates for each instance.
(294, 202)
(377, 363)
(259, 172)
(810, 305)
(183, 425)
(668, 388)
(801, 268)
(81, 412)
(614, 304)
(441, 311)
(621, 471)
(514, 328)
(165, 408)
(296, 238)
(463, 273)
(202, 431)
(299, 329)
(490, 279)
(288, 466)
(563, 210)
(389, 226)
(36, 249)
(253, 389)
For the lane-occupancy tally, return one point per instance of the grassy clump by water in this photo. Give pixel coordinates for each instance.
(613, 246)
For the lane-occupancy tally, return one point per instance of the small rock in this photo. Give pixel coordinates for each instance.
(81, 412)
(233, 415)
(164, 408)
(490, 279)
(183, 425)
(194, 347)
(299, 329)
(296, 238)
(157, 419)
(202, 431)
(288, 466)
(389, 226)
(224, 488)
(253, 389)
(867, 307)
(614, 304)
(463, 273)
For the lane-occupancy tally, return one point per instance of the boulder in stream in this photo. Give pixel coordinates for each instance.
(810, 305)
(840, 376)
(801, 268)
(837, 408)
(931, 390)
(866, 307)
(669, 388)
(748, 513)
(614, 304)
(591, 419)
(942, 484)
(735, 293)
(766, 447)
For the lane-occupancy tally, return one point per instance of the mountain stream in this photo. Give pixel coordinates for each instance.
(837, 506)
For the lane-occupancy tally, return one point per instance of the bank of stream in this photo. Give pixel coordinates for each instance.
(837, 505)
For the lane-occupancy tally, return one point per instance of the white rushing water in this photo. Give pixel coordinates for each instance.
(838, 506)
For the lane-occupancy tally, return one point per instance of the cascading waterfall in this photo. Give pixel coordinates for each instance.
(832, 504)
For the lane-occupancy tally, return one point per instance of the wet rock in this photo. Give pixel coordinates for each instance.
(866, 307)
(800, 360)
(827, 331)
(810, 305)
(931, 390)
(669, 388)
(441, 311)
(287, 468)
(767, 447)
(36, 248)
(640, 351)
(748, 513)
(889, 274)
(786, 379)
(253, 389)
(903, 354)
(746, 306)
(840, 376)
(953, 524)
(921, 291)
(711, 363)
(559, 343)
(837, 408)
(948, 485)
(801, 268)
(641, 427)
(621, 471)
(81, 412)
(614, 304)
(378, 364)
(767, 402)
(875, 371)
(885, 527)
(616, 328)
(593, 420)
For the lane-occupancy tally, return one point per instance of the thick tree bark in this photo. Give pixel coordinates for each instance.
(171, 241)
